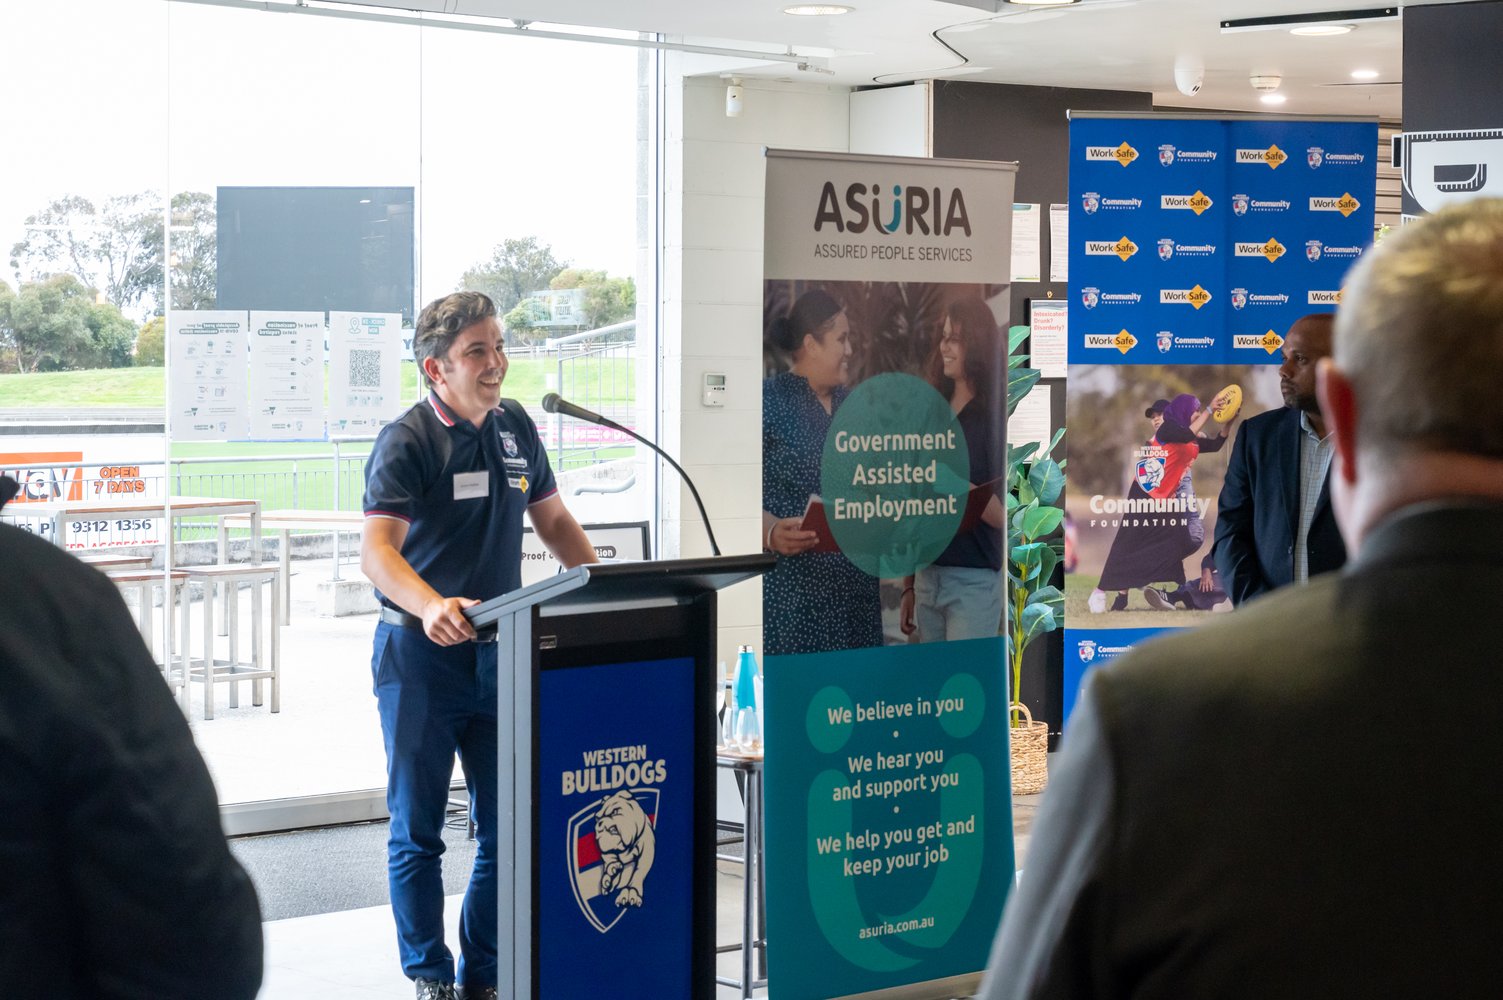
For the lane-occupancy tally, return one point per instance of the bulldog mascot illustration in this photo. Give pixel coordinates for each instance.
(627, 844)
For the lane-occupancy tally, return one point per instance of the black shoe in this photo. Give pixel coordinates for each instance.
(1157, 600)
(477, 993)
(432, 989)
(1119, 603)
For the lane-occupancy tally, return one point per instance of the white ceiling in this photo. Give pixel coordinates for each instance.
(1097, 44)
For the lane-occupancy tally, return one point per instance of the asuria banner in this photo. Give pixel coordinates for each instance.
(888, 814)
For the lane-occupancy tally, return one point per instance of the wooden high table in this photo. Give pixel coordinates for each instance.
(60, 512)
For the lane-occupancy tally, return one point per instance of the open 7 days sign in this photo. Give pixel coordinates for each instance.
(78, 470)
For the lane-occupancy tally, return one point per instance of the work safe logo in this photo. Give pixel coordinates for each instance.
(1120, 341)
(611, 847)
(927, 211)
(1270, 342)
(1346, 205)
(1273, 156)
(1123, 248)
(1271, 249)
(1196, 296)
(1123, 154)
(1197, 202)
(1324, 298)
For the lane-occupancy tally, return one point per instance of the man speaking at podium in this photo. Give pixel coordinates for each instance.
(445, 488)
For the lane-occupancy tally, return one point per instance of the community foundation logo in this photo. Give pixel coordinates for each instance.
(1240, 203)
(1165, 341)
(1169, 155)
(1316, 157)
(1087, 650)
(611, 847)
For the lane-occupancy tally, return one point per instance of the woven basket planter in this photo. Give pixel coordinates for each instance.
(1028, 745)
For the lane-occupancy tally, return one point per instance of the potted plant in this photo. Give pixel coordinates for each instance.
(1035, 547)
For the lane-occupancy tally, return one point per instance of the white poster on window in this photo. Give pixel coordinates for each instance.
(206, 395)
(286, 376)
(365, 372)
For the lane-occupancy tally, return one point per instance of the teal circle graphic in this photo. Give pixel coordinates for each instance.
(828, 721)
(895, 475)
(961, 705)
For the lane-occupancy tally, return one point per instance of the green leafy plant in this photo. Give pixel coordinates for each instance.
(1035, 545)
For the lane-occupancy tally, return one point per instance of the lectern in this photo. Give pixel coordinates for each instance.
(606, 679)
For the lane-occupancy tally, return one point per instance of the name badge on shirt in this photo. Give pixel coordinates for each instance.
(471, 485)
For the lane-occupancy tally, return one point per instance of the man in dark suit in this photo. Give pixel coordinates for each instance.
(1293, 801)
(115, 879)
(1274, 524)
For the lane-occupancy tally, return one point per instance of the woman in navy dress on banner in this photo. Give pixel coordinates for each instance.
(959, 596)
(812, 601)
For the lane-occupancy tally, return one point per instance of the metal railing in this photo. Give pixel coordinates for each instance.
(598, 374)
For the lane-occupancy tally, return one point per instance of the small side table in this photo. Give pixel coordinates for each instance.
(753, 943)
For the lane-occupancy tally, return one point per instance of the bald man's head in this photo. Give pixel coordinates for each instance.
(1307, 341)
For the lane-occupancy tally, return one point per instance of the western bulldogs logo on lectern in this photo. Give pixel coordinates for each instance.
(612, 844)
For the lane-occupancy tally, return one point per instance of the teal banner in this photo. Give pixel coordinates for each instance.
(889, 815)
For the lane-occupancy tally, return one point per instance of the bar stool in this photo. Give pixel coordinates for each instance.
(754, 897)
(264, 661)
(143, 583)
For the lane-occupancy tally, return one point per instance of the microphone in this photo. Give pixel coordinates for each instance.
(554, 403)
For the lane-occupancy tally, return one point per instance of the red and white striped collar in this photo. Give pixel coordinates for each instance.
(445, 415)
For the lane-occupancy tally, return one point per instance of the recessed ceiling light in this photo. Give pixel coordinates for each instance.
(1322, 30)
(817, 9)
(1364, 74)
(1273, 98)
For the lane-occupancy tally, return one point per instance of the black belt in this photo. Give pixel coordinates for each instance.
(396, 616)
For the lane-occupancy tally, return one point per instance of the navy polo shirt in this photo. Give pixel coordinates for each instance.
(462, 490)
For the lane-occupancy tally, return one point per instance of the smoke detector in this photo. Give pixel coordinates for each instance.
(1265, 83)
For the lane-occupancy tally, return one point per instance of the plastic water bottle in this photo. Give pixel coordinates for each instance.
(748, 727)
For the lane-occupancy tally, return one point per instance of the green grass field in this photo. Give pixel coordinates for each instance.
(305, 479)
(1078, 614)
(603, 382)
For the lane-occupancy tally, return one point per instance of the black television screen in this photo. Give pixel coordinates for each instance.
(316, 249)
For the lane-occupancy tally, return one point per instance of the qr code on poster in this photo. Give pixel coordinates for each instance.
(365, 369)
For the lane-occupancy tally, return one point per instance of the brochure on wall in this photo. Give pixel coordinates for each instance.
(206, 393)
(1049, 336)
(1059, 242)
(1025, 243)
(1031, 422)
(365, 369)
(286, 375)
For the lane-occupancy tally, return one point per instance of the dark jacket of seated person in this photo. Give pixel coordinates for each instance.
(115, 879)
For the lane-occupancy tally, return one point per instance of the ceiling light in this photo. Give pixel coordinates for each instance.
(1364, 74)
(1273, 98)
(1334, 21)
(1322, 30)
(817, 9)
